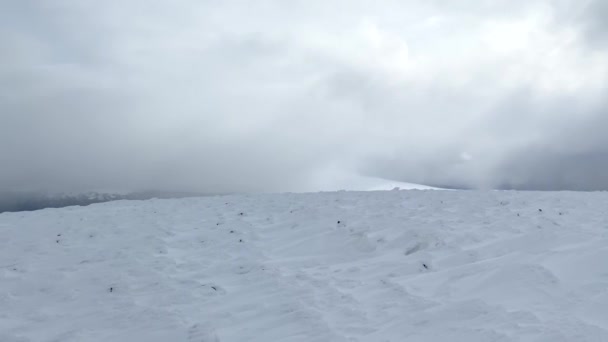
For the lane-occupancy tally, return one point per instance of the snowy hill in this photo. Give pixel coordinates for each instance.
(346, 266)
(378, 184)
(336, 181)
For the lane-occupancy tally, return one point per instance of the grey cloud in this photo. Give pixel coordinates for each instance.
(595, 23)
(218, 96)
(530, 145)
(573, 157)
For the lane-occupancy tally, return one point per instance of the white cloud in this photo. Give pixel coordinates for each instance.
(231, 96)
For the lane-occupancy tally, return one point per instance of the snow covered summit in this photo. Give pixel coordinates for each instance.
(344, 266)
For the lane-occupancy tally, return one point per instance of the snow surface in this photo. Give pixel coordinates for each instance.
(345, 266)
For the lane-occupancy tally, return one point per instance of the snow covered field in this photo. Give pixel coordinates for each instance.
(341, 266)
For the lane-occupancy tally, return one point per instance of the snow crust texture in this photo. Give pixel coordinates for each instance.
(342, 266)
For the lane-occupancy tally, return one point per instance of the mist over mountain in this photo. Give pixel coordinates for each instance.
(15, 201)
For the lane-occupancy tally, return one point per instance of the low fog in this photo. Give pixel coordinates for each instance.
(273, 95)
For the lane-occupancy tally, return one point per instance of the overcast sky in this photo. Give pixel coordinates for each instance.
(279, 95)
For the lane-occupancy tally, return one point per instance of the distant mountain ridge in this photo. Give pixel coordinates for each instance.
(14, 201)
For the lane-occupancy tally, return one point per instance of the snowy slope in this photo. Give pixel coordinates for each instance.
(346, 266)
(355, 182)
(378, 184)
